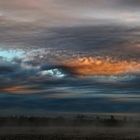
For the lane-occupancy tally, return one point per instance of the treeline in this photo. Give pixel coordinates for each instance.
(79, 120)
(64, 137)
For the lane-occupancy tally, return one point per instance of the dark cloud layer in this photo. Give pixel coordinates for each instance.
(131, 3)
(67, 42)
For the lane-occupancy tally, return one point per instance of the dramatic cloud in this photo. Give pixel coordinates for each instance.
(94, 66)
(69, 55)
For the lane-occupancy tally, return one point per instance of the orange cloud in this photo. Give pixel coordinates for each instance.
(98, 66)
(16, 89)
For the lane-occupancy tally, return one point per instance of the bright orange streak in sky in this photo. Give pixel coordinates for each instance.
(93, 66)
(16, 89)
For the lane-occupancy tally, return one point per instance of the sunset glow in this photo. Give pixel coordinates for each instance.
(16, 89)
(94, 66)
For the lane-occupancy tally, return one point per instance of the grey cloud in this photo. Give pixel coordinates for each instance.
(6, 69)
(131, 3)
(69, 12)
(12, 73)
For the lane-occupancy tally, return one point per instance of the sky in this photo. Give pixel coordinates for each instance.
(69, 55)
(68, 13)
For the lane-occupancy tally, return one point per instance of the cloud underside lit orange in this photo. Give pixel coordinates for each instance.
(87, 66)
(16, 89)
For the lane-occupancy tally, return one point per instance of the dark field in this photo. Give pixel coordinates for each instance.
(79, 127)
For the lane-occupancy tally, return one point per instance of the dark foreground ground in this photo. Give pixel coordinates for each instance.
(79, 127)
